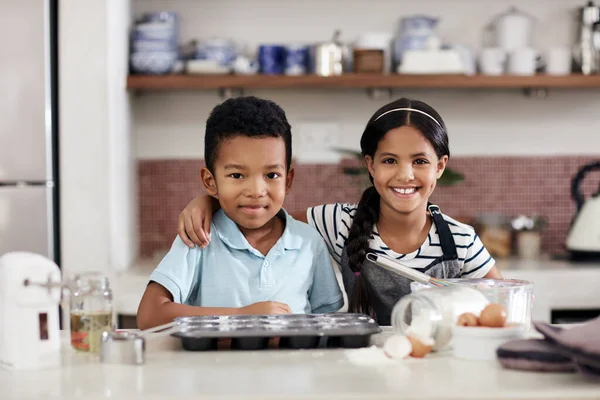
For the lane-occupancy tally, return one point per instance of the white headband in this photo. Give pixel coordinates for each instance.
(408, 109)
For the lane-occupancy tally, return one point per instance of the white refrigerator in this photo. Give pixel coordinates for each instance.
(29, 127)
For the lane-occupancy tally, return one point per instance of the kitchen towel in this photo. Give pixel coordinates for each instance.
(580, 345)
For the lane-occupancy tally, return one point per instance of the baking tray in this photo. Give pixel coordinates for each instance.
(294, 331)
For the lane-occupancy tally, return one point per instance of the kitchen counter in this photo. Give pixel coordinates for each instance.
(171, 373)
(558, 284)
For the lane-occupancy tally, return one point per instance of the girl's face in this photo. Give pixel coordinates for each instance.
(405, 169)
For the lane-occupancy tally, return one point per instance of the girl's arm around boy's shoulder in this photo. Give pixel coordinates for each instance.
(332, 222)
(326, 215)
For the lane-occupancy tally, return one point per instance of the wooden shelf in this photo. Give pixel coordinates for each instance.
(358, 81)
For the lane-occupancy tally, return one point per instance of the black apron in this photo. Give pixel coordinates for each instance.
(385, 288)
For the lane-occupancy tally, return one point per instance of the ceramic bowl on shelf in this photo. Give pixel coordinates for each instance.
(245, 66)
(222, 51)
(152, 45)
(153, 62)
(155, 31)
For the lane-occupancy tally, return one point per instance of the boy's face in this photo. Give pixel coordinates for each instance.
(250, 179)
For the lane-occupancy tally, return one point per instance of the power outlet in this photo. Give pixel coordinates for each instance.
(315, 140)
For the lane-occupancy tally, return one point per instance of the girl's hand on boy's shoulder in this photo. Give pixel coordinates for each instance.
(194, 221)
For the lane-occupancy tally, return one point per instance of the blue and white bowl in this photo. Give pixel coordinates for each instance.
(222, 51)
(153, 62)
(155, 31)
(153, 45)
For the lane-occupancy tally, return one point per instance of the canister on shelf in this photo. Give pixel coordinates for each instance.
(528, 234)
(494, 230)
(369, 61)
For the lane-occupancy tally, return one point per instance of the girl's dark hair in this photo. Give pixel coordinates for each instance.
(367, 213)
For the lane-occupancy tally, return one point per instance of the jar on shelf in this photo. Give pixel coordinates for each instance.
(91, 310)
(495, 233)
(528, 234)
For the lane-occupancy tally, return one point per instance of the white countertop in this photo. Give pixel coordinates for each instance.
(558, 284)
(171, 373)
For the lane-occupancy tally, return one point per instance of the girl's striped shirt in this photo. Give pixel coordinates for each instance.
(333, 222)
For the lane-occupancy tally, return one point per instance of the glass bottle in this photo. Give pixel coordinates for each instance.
(91, 311)
(432, 312)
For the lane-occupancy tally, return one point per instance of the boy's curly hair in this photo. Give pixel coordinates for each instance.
(245, 116)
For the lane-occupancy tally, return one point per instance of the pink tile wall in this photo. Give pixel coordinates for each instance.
(510, 185)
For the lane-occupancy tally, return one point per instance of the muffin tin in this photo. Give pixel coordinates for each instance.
(295, 331)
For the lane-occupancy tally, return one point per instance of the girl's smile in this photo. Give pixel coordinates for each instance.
(405, 191)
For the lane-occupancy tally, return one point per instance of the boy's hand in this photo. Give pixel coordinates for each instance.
(266, 307)
(193, 226)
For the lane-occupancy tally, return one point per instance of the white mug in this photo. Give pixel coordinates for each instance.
(558, 61)
(492, 60)
(523, 61)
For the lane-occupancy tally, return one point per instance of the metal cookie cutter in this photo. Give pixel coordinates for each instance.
(130, 347)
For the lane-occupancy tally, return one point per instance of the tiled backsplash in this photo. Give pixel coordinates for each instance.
(508, 185)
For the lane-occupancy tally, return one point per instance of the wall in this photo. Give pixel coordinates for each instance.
(123, 234)
(98, 225)
(508, 185)
(518, 153)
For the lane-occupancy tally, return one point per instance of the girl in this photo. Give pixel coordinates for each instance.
(405, 147)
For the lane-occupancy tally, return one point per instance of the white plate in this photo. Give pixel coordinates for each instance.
(481, 342)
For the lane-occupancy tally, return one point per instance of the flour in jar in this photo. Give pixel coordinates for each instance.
(433, 312)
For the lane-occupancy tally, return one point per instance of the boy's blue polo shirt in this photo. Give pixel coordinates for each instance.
(229, 272)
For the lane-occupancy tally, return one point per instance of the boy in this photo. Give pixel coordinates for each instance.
(259, 260)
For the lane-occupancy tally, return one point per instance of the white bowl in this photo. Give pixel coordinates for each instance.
(480, 342)
(153, 62)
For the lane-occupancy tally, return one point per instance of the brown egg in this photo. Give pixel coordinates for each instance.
(493, 316)
(467, 319)
(419, 349)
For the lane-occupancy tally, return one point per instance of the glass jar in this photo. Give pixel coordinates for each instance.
(431, 313)
(91, 310)
(495, 233)
(528, 234)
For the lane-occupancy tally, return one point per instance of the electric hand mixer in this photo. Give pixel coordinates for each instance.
(30, 292)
